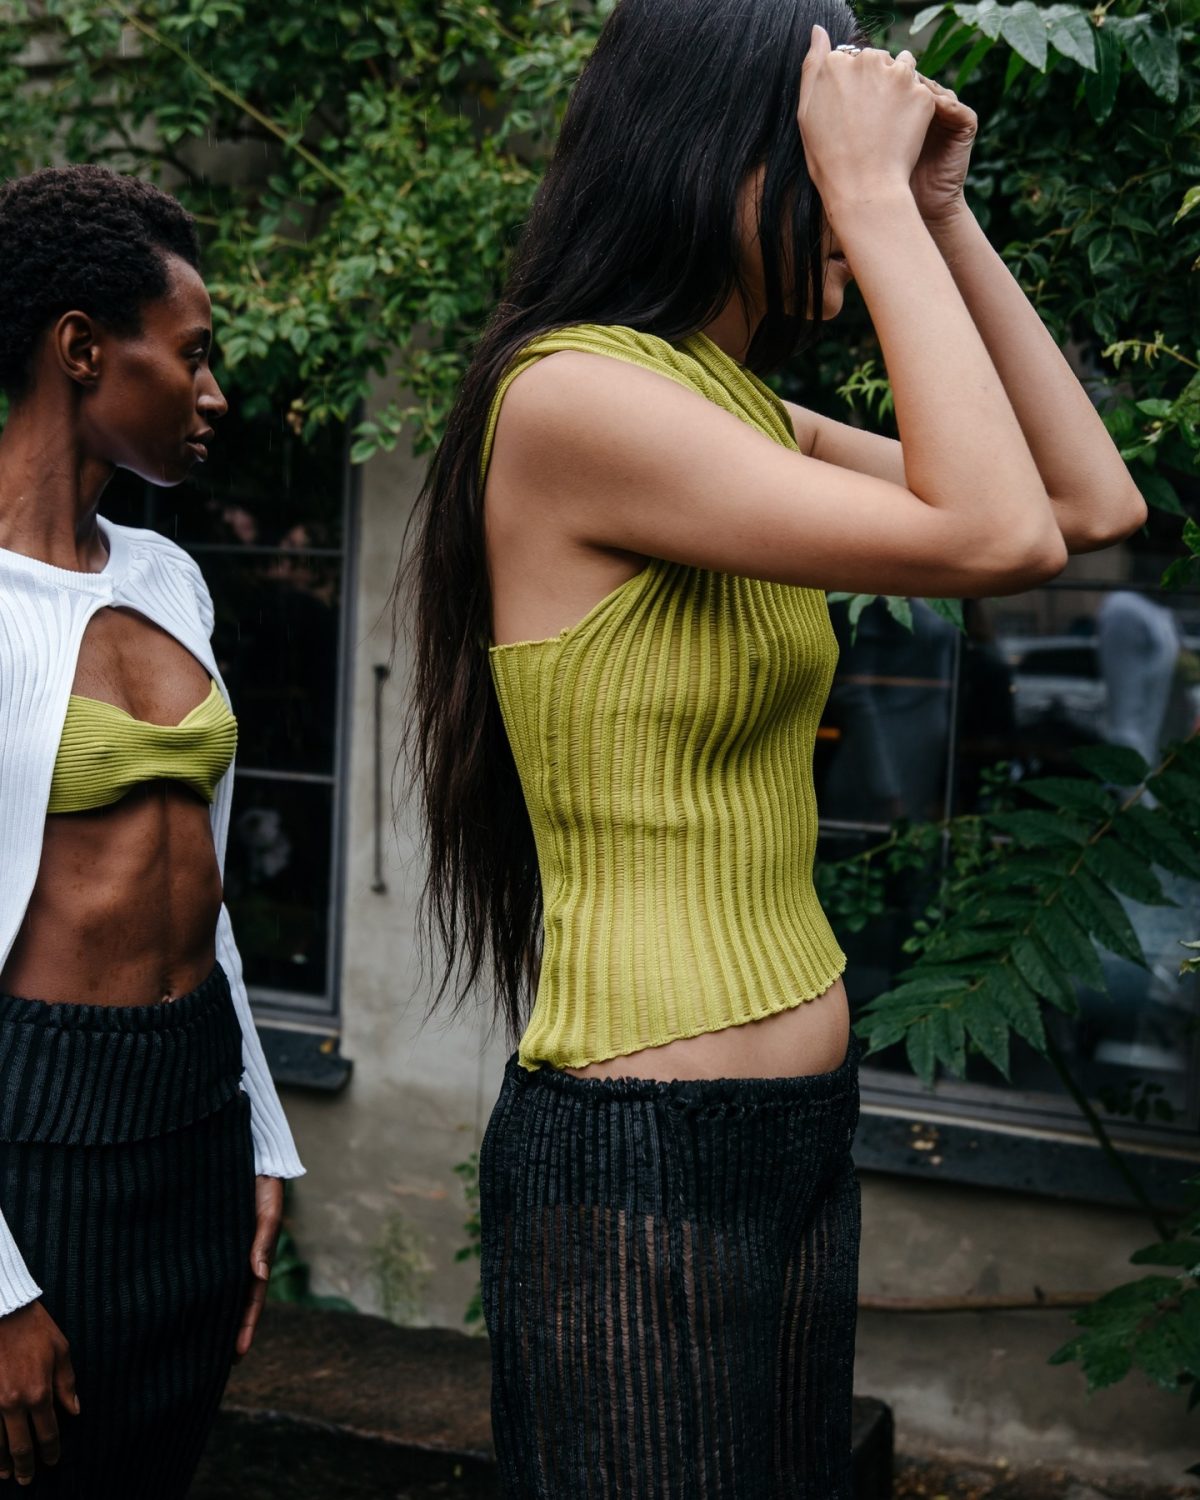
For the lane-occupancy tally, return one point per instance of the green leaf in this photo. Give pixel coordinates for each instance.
(987, 16)
(1159, 492)
(1023, 28)
(1062, 936)
(1125, 872)
(1074, 793)
(1099, 251)
(1099, 912)
(1073, 35)
(1033, 829)
(1190, 199)
(1017, 1004)
(987, 1027)
(1100, 88)
(1115, 763)
(1043, 974)
(920, 1048)
(1181, 1252)
(1155, 54)
(948, 609)
(969, 64)
(900, 610)
(923, 18)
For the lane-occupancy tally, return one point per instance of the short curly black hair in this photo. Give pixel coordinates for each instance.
(81, 237)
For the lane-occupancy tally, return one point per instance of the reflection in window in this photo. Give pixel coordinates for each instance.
(266, 520)
(915, 722)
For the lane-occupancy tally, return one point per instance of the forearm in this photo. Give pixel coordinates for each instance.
(963, 447)
(1092, 495)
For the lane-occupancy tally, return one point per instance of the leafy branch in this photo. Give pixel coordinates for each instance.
(1021, 916)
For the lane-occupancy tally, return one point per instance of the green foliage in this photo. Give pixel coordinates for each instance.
(401, 1268)
(468, 1173)
(1029, 896)
(1152, 1324)
(381, 158)
(1086, 175)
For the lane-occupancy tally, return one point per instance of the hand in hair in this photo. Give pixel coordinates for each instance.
(937, 179)
(863, 120)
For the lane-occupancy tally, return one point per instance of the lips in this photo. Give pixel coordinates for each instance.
(198, 443)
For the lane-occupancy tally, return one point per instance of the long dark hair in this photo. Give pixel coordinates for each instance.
(635, 224)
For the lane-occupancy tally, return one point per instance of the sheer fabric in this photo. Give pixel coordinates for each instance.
(670, 1282)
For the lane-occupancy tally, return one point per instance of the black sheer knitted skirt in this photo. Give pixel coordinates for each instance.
(127, 1179)
(670, 1276)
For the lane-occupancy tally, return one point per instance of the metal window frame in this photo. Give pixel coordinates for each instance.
(281, 1009)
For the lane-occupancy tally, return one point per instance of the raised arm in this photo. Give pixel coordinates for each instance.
(1094, 500)
(653, 470)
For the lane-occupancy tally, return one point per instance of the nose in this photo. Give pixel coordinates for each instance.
(211, 400)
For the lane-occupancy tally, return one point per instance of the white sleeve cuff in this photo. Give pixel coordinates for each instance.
(274, 1149)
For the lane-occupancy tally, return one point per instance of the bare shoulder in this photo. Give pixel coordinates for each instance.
(579, 402)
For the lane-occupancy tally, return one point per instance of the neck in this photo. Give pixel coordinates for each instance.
(733, 329)
(50, 488)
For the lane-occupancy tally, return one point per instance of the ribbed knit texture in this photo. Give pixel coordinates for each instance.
(670, 1284)
(44, 611)
(127, 1173)
(665, 747)
(104, 752)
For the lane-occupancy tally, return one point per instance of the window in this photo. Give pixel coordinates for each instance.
(914, 721)
(268, 520)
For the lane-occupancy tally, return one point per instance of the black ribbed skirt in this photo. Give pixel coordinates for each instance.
(670, 1276)
(127, 1179)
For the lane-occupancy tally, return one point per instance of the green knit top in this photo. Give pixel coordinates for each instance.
(665, 747)
(104, 752)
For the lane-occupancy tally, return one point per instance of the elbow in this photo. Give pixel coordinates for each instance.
(1103, 524)
(1021, 560)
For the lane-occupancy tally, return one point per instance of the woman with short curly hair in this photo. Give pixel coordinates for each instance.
(141, 1140)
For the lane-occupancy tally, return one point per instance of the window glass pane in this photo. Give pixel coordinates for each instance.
(276, 643)
(261, 487)
(1039, 675)
(1045, 673)
(277, 881)
(884, 742)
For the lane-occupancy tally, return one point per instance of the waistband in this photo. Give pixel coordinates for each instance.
(98, 1075)
(696, 1095)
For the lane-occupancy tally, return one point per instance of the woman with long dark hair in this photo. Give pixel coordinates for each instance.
(622, 654)
(141, 1141)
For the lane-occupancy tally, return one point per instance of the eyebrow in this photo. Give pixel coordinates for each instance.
(199, 335)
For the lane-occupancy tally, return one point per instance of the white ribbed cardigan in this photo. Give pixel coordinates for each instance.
(44, 611)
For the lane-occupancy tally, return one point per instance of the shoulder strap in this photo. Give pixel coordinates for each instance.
(696, 363)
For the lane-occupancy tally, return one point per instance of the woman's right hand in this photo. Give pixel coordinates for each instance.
(35, 1371)
(863, 119)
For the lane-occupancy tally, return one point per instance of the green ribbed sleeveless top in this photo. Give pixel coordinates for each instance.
(665, 746)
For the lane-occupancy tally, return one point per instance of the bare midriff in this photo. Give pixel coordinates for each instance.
(811, 1037)
(125, 908)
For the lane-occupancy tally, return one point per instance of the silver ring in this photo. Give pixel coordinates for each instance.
(849, 48)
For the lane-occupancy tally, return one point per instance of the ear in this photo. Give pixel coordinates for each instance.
(75, 340)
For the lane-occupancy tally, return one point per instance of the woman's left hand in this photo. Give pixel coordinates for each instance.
(268, 1199)
(937, 179)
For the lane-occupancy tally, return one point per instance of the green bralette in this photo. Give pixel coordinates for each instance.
(104, 752)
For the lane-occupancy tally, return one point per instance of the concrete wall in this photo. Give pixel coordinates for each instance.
(381, 1158)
